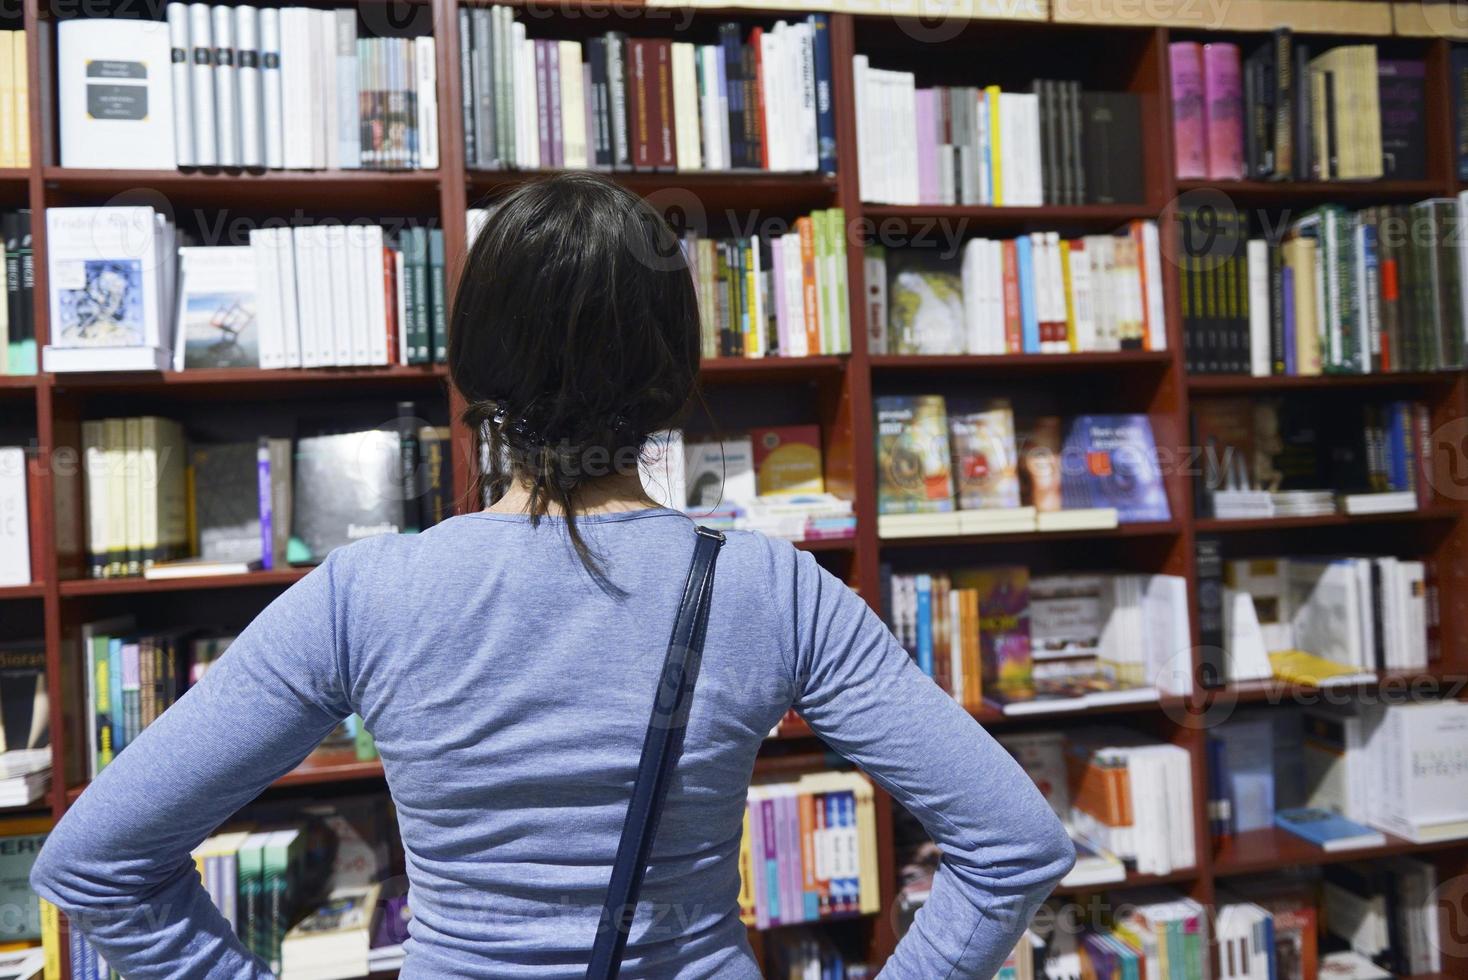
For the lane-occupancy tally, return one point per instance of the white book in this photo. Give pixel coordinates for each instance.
(971, 274)
(1257, 258)
(402, 311)
(1413, 588)
(375, 292)
(283, 247)
(226, 100)
(335, 287)
(95, 258)
(773, 104)
(794, 296)
(809, 158)
(527, 141)
(348, 112)
(708, 109)
(271, 97)
(296, 59)
(325, 148)
(686, 107)
(904, 166)
(269, 326)
(15, 529)
(183, 116)
(359, 321)
(721, 87)
(573, 107)
(248, 84)
(217, 319)
(427, 98)
(136, 130)
(201, 79)
(861, 90)
(310, 280)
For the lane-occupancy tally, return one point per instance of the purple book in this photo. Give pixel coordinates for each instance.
(791, 901)
(927, 149)
(1287, 293)
(553, 74)
(757, 864)
(543, 103)
(1186, 61)
(267, 506)
(772, 862)
(782, 316)
(1223, 111)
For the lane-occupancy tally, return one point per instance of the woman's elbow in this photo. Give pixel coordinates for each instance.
(1055, 854)
(60, 876)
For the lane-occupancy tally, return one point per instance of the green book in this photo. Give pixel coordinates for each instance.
(280, 868)
(437, 300)
(841, 329)
(251, 880)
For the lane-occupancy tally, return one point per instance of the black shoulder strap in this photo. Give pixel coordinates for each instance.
(660, 749)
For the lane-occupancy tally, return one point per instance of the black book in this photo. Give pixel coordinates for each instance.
(1213, 664)
(749, 81)
(1049, 162)
(1330, 164)
(1187, 299)
(1261, 87)
(601, 141)
(1251, 115)
(466, 97)
(1111, 126)
(435, 475)
(1284, 104)
(10, 228)
(23, 710)
(1075, 143)
(407, 433)
(733, 51)
(1402, 91)
(1458, 85)
(1304, 134)
(347, 486)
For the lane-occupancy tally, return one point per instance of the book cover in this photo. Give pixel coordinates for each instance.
(1223, 110)
(985, 458)
(924, 303)
(1004, 628)
(1185, 60)
(114, 81)
(787, 459)
(1111, 131)
(217, 308)
(226, 502)
(1040, 464)
(348, 486)
(1401, 93)
(1327, 829)
(913, 455)
(720, 474)
(1111, 461)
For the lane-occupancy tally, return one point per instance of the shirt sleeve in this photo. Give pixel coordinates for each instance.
(118, 863)
(1003, 847)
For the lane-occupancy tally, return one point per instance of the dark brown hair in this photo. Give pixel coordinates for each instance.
(574, 336)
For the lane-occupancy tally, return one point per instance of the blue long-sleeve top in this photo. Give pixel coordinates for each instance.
(508, 693)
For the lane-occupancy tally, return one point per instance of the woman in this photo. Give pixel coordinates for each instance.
(506, 660)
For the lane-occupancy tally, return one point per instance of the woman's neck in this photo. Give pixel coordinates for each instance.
(609, 495)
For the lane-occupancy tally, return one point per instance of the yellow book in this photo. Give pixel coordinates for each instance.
(51, 940)
(1299, 667)
(22, 91)
(866, 827)
(1070, 299)
(991, 96)
(754, 334)
(746, 875)
(7, 99)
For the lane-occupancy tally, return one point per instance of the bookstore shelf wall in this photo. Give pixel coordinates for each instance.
(1173, 366)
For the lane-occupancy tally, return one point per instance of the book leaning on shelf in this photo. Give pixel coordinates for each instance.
(1286, 110)
(1035, 294)
(247, 87)
(614, 102)
(977, 145)
(1336, 292)
(125, 297)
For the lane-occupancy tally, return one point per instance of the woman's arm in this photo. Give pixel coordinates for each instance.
(118, 863)
(1003, 848)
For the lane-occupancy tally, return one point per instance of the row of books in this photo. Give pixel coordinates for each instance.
(17, 314)
(798, 954)
(156, 506)
(15, 111)
(1357, 921)
(1335, 291)
(1301, 457)
(1028, 643)
(1281, 113)
(15, 518)
(633, 103)
(809, 850)
(965, 468)
(125, 296)
(979, 145)
(1035, 294)
(254, 87)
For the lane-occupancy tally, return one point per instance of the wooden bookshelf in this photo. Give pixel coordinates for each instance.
(837, 392)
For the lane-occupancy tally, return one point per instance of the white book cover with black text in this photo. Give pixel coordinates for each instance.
(116, 94)
(105, 277)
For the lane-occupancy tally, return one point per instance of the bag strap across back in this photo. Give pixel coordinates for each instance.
(661, 747)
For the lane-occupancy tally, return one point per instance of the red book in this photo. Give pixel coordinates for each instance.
(1389, 294)
(1013, 327)
(787, 459)
(1185, 59)
(640, 102)
(390, 297)
(663, 152)
(1223, 111)
(756, 36)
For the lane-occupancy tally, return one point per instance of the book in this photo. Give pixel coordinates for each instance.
(1004, 629)
(1120, 469)
(335, 940)
(216, 308)
(1327, 830)
(985, 458)
(15, 534)
(787, 460)
(114, 94)
(913, 455)
(20, 842)
(329, 510)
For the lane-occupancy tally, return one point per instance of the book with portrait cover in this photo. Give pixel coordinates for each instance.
(913, 475)
(985, 459)
(1111, 461)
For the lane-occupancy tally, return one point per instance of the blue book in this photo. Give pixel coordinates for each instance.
(1115, 466)
(1398, 426)
(925, 623)
(1028, 316)
(1327, 829)
(820, 26)
(1287, 277)
(1247, 772)
(114, 694)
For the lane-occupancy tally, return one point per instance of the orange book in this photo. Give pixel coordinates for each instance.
(1135, 229)
(973, 670)
(807, 232)
(1014, 342)
(756, 41)
(390, 297)
(807, 809)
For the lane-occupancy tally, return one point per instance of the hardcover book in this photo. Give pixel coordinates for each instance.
(1185, 59)
(1111, 461)
(985, 460)
(115, 94)
(787, 459)
(1401, 90)
(348, 486)
(913, 455)
(924, 304)
(1223, 111)
(216, 308)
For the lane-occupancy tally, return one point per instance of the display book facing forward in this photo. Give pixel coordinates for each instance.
(125, 297)
(1306, 456)
(1288, 110)
(1027, 644)
(760, 100)
(1054, 144)
(964, 469)
(158, 506)
(25, 729)
(1381, 289)
(1035, 294)
(253, 87)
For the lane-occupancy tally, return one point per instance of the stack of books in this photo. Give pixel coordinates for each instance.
(293, 88)
(25, 775)
(615, 102)
(1036, 294)
(979, 145)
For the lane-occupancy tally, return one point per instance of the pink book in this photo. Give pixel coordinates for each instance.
(927, 149)
(1223, 111)
(1186, 61)
(777, 269)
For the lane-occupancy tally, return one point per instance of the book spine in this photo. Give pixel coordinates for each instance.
(1185, 60)
(201, 37)
(468, 117)
(226, 115)
(438, 299)
(825, 107)
(183, 118)
(1223, 111)
(266, 502)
